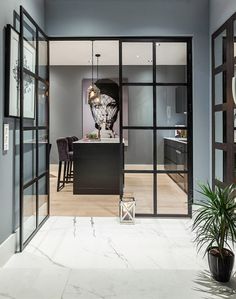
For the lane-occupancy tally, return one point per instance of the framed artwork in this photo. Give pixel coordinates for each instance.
(12, 88)
(12, 78)
(88, 121)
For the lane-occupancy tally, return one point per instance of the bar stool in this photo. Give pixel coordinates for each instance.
(63, 153)
(73, 139)
(69, 175)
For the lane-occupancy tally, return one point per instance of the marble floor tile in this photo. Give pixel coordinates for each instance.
(86, 257)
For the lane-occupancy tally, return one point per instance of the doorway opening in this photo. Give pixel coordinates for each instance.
(155, 120)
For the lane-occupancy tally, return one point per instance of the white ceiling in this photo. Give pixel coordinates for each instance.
(80, 52)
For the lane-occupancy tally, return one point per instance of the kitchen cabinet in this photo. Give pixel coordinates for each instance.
(181, 99)
(175, 158)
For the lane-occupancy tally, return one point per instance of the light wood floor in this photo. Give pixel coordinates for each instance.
(170, 198)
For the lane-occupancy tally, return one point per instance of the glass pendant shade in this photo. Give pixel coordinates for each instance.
(94, 95)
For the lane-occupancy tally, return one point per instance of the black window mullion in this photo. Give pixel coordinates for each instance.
(170, 84)
(121, 121)
(37, 129)
(154, 130)
(153, 83)
(21, 129)
(136, 84)
(48, 131)
(189, 126)
(35, 75)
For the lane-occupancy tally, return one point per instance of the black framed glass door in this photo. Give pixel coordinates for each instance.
(223, 104)
(156, 124)
(34, 128)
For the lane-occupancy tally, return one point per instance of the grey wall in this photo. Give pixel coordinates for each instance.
(148, 18)
(66, 112)
(8, 169)
(220, 11)
(66, 101)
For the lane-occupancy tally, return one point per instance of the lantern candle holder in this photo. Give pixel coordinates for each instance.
(127, 210)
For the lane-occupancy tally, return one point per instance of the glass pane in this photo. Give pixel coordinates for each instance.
(17, 22)
(171, 61)
(29, 32)
(220, 47)
(29, 57)
(140, 186)
(235, 168)
(220, 165)
(137, 62)
(16, 176)
(29, 100)
(234, 125)
(220, 88)
(43, 144)
(220, 126)
(138, 149)
(43, 57)
(172, 195)
(42, 198)
(234, 85)
(137, 106)
(171, 105)
(29, 155)
(172, 151)
(42, 104)
(234, 38)
(29, 212)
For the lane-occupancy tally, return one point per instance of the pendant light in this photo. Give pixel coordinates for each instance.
(98, 98)
(94, 95)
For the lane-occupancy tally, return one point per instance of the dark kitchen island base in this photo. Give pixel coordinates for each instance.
(96, 167)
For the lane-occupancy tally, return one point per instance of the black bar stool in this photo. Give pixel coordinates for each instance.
(74, 138)
(69, 175)
(64, 158)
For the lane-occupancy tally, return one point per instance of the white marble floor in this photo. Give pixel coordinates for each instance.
(92, 258)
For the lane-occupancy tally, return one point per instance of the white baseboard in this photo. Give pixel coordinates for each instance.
(7, 249)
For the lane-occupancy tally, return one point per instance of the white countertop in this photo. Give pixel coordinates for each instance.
(181, 140)
(102, 140)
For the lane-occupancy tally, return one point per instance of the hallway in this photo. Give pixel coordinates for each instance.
(76, 257)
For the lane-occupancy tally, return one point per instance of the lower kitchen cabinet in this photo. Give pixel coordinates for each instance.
(176, 159)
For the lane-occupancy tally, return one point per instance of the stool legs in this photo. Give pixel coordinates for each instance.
(67, 174)
(61, 183)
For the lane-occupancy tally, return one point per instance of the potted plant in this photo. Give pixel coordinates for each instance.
(215, 228)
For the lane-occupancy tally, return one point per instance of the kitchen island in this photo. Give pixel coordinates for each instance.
(97, 166)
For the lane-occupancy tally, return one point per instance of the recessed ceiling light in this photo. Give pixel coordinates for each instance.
(137, 56)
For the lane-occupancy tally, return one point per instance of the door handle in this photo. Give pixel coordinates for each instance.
(233, 90)
(178, 152)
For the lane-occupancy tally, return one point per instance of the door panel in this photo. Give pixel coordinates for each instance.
(34, 128)
(157, 166)
(223, 118)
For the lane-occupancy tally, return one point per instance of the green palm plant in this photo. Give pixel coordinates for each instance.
(215, 222)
